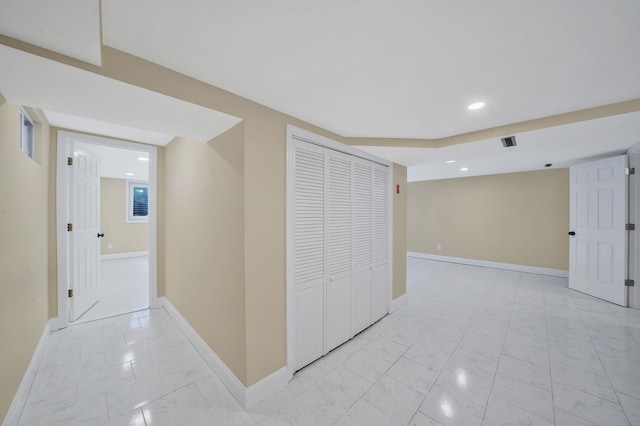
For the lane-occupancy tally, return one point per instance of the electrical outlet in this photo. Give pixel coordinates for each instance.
(438, 246)
(109, 246)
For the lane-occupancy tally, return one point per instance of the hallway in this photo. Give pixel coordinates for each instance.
(473, 346)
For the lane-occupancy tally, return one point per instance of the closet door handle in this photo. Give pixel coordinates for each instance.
(100, 235)
(572, 233)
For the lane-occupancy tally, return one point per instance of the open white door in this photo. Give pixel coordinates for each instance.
(84, 249)
(598, 213)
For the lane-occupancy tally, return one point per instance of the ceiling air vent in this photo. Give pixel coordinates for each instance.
(509, 141)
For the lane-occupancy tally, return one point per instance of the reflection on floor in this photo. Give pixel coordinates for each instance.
(124, 288)
(475, 346)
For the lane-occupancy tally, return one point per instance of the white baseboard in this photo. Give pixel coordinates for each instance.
(20, 398)
(497, 265)
(398, 303)
(267, 386)
(124, 255)
(246, 396)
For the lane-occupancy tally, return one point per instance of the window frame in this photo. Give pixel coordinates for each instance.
(130, 185)
(27, 142)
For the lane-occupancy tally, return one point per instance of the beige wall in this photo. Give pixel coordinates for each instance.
(23, 248)
(125, 237)
(263, 198)
(518, 218)
(204, 241)
(399, 231)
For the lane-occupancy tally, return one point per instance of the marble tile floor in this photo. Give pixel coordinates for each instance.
(124, 288)
(474, 346)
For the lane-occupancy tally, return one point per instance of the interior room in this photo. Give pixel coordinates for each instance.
(288, 213)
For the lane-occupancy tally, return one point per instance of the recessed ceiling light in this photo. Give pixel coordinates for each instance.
(464, 169)
(143, 159)
(476, 105)
(129, 174)
(451, 161)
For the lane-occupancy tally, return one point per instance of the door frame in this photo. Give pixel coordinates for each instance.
(633, 268)
(64, 139)
(296, 133)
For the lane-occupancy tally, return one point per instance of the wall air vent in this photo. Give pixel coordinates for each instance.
(509, 141)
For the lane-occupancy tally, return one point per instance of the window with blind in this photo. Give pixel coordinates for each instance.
(137, 202)
(26, 133)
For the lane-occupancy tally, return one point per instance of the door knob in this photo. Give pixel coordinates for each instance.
(572, 233)
(100, 235)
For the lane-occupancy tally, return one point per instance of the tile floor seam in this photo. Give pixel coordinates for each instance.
(443, 367)
(586, 419)
(386, 371)
(449, 359)
(495, 374)
(372, 384)
(546, 322)
(144, 418)
(575, 415)
(599, 359)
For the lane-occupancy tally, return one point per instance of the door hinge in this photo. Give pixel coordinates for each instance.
(69, 161)
(70, 292)
(629, 283)
(630, 227)
(69, 227)
(630, 171)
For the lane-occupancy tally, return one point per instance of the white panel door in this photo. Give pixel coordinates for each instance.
(308, 251)
(362, 245)
(380, 278)
(85, 245)
(598, 211)
(338, 237)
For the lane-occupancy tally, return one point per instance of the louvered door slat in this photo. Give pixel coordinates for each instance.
(308, 220)
(339, 224)
(380, 215)
(339, 215)
(362, 255)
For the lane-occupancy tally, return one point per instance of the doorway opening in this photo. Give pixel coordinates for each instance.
(106, 217)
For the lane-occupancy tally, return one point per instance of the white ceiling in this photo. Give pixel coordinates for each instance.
(73, 122)
(403, 69)
(35, 81)
(70, 27)
(562, 146)
(117, 162)
(359, 68)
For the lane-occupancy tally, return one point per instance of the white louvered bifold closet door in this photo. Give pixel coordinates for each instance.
(362, 245)
(380, 279)
(339, 232)
(309, 251)
(339, 224)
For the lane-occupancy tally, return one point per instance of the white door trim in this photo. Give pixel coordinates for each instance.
(62, 215)
(634, 217)
(296, 133)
